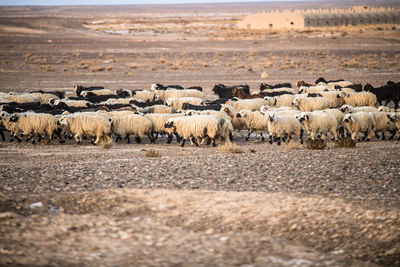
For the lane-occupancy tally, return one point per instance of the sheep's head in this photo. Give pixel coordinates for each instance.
(348, 118)
(368, 87)
(345, 109)
(169, 124)
(304, 117)
(14, 118)
(271, 118)
(4, 115)
(296, 102)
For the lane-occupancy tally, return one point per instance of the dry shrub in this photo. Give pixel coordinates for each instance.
(132, 66)
(47, 68)
(228, 149)
(98, 68)
(317, 144)
(109, 68)
(293, 146)
(264, 75)
(345, 142)
(151, 153)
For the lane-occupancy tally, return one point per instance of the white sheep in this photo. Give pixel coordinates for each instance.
(336, 99)
(319, 123)
(255, 121)
(145, 95)
(278, 101)
(73, 103)
(164, 95)
(332, 85)
(359, 99)
(346, 90)
(350, 109)
(311, 103)
(112, 101)
(314, 89)
(29, 123)
(281, 108)
(247, 104)
(133, 124)
(159, 121)
(361, 122)
(282, 126)
(383, 124)
(43, 98)
(98, 92)
(177, 102)
(87, 124)
(162, 109)
(281, 89)
(196, 126)
(385, 109)
(208, 112)
(24, 98)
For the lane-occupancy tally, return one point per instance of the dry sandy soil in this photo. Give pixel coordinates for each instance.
(266, 206)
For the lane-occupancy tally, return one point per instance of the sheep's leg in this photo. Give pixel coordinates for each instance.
(213, 142)
(178, 137)
(155, 136)
(368, 135)
(193, 140)
(151, 137)
(127, 138)
(183, 142)
(3, 138)
(279, 140)
(354, 136)
(138, 139)
(249, 132)
(169, 140)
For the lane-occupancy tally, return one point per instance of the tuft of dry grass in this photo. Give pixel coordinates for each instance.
(317, 144)
(151, 153)
(98, 68)
(47, 68)
(345, 142)
(228, 149)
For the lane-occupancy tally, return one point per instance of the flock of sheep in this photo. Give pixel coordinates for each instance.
(334, 109)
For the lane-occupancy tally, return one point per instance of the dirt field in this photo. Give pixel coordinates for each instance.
(266, 206)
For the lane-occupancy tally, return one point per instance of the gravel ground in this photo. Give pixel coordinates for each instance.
(274, 205)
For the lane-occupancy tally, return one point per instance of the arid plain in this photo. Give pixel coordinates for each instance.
(268, 205)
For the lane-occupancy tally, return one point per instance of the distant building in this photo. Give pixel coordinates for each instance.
(320, 18)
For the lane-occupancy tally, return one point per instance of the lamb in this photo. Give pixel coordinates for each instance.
(395, 118)
(278, 101)
(159, 121)
(360, 99)
(342, 84)
(283, 127)
(361, 122)
(255, 121)
(132, 125)
(91, 125)
(176, 103)
(29, 123)
(197, 126)
(383, 124)
(319, 123)
(350, 109)
(248, 104)
(237, 123)
(311, 103)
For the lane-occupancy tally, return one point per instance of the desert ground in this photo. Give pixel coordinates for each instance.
(259, 205)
